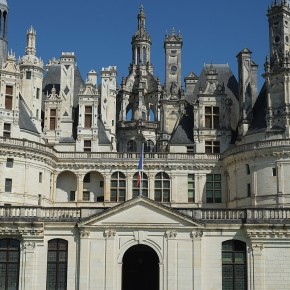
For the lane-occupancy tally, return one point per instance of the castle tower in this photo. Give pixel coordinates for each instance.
(277, 72)
(138, 100)
(3, 30)
(31, 69)
(173, 46)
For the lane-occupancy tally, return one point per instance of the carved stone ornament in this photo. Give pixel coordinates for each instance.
(198, 234)
(170, 234)
(28, 246)
(84, 233)
(109, 234)
(256, 248)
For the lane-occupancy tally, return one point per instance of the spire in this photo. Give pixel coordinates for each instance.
(3, 30)
(141, 19)
(141, 41)
(31, 42)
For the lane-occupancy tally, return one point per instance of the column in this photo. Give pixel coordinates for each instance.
(28, 272)
(201, 180)
(110, 261)
(84, 259)
(171, 260)
(151, 179)
(197, 262)
(107, 187)
(129, 191)
(257, 279)
(80, 187)
(53, 185)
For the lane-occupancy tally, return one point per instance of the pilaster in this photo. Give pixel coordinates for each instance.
(110, 237)
(197, 260)
(171, 259)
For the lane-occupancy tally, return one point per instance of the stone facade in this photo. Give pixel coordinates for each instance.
(212, 208)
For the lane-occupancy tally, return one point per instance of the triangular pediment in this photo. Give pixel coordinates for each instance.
(140, 212)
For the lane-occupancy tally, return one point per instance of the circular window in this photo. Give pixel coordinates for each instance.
(287, 39)
(277, 39)
(173, 69)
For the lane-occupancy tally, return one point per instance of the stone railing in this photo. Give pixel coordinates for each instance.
(237, 216)
(63, 156)
(256, 146)
(56, 214)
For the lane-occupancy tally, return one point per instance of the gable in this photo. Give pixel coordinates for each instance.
(140, 213)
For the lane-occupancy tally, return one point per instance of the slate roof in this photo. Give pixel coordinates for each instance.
(103, 138)
(25, 122)
(259, 113)
(52, 78)
(183, 134)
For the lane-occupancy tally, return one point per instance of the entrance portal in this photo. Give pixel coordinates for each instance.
(140, 269)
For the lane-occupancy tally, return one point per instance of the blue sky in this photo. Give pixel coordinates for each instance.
(99, 32)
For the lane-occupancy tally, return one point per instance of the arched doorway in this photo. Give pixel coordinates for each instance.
(140, 269)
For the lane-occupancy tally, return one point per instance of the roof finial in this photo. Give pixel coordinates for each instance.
(141, 8)
(173, 31)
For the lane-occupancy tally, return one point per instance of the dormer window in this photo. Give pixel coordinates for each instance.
(211, 117)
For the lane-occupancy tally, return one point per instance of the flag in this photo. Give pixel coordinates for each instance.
(140, 168)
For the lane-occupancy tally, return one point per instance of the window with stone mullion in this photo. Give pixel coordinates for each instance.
(57, 265)
(9, 264)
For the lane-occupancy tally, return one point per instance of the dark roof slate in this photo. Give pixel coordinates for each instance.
(25, 122)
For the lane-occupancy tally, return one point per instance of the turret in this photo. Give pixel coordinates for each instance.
(248, 89)
(277, 70)
(141, 42)
(172, 46)
(3, 30)
(31, 68)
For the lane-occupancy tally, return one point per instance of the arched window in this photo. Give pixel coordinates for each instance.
(149, 146)
(129, 115)
(162, 187)
(118, 186)
(131, 146)
(142, 183)
(9, 264)
(57, 265)
(151, 116)
(234, 265)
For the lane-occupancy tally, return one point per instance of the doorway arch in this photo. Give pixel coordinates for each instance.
(140, 269)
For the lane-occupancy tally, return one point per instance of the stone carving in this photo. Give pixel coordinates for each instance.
(29, 246)
(198, 234)
(170, 234)
(109, 234)
(84, 233)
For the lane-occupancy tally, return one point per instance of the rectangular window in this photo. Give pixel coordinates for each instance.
(9, 162)
(72, 196)
(40, 177)
(52, 120)
(212, 147)
(86, 196)
(57, 257)
(8, 185)
(190, 149)
(274, 171)
(101, 183)
(8, 97)
(248, 170)
(28, 75)
(211, 115)
(88, 117)
(213, 188)
(7, 130)
(87, 145)
(37, 93)
(249, 190)
(191, 188)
